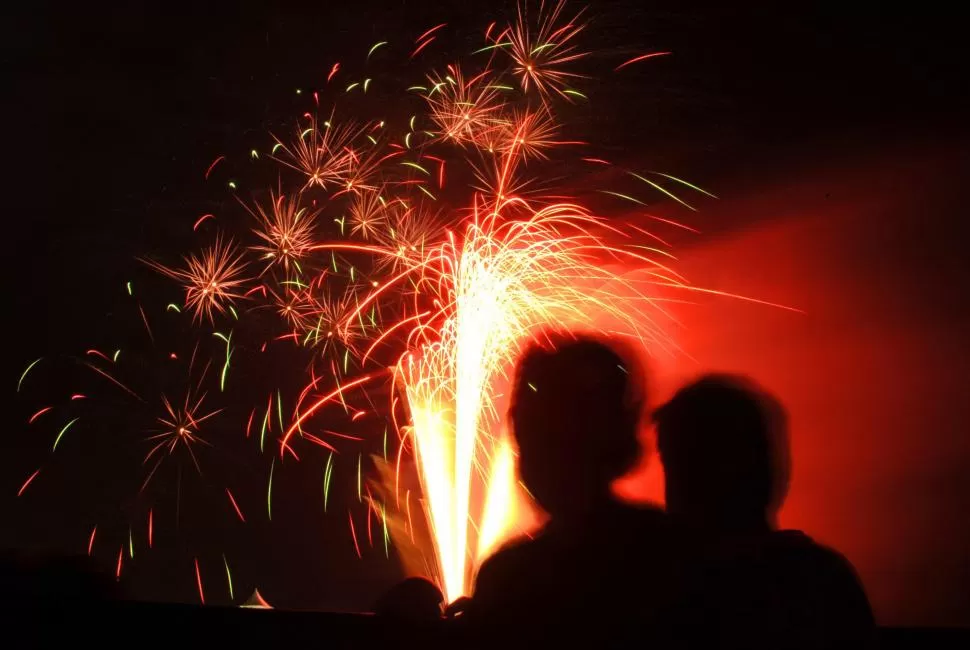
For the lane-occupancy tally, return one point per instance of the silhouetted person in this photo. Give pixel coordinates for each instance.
(413, 600)
(724, 447)
(72, 580)
(598, 566)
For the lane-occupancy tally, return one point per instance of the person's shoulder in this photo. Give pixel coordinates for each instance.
(799, 545)
(512, 558)
(828, 569)
(510, 579)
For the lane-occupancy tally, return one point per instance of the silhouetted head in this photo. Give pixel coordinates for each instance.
(723, 444)
(413, 599)
(575, 415)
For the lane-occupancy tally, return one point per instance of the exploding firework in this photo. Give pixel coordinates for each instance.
(212, 280)
(286, 230)
(406, 296)
(542, 50)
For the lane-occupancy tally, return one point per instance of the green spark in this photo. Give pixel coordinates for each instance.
(63, 431)
(232, 185)
(623, 196)
(385, 442)
(352, 86)
(129, 287)
(417, 88)
(172, 306)
(374, 47)
(131, 545)
(366, 83)
(327, 473)
(411, 122)
(269, 491)
(225, 370)
(255, 154)
(407, 163)
(574, 93)
(532, 386)
(386, 535)
(275, 147)
(32, 364)
(423, 189)
(373, 141)
(683, 182)
(262, 432)
(233, 310)
(660, 189)
(228, 576)
(114, 357)
(279, 408)
(492, 47)
(407, 140)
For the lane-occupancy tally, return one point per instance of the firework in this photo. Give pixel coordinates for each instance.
(320, 151)
(542, 54)
(406, 293)
(286, 230)
(211, 280)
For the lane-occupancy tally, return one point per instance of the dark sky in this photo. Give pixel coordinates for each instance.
(113, 115)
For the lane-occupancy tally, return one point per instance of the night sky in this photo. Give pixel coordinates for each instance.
(113, 116)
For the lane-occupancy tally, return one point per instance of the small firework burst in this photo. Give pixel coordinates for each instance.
(295, 305)
(541, 54)
(530, 133)
(181, 425)
(211, 280)
(464, 110)
(320, 151)
(286, 229)
(367, 215)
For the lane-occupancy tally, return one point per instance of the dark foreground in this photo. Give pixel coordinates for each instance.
(128, 625)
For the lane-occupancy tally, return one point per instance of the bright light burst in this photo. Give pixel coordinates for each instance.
(500, 285)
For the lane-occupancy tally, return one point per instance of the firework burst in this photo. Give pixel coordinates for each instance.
(286, 230)
(465, 110)
(212, 280)
(541, 55)
(367, 215)
(320, 151)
